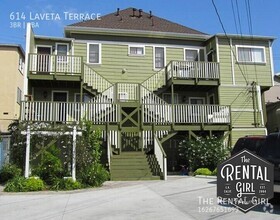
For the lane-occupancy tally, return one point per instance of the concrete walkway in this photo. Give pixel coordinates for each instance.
(177, 198)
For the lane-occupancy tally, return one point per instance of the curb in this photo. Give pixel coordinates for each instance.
(207, 177)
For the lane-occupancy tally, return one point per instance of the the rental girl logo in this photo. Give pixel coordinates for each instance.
(245, 180)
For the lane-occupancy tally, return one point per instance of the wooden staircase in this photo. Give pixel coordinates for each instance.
(129, 166)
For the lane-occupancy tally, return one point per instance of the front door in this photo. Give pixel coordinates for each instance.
(60, 99)
(44, 59)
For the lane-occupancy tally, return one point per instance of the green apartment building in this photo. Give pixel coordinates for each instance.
(148, 83)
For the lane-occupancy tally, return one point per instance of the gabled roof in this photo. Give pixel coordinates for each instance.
(132, 19)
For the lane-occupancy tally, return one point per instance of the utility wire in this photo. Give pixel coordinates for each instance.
(224, 30)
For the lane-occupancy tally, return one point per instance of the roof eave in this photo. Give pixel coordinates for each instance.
(15, 46)
(109, 31)
(256, 37)
(40, 37)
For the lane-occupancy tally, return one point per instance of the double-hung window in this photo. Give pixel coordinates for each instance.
(136, 50)
(94, 53)
(191, 54)
(250, 54)
(61, 52)
(159, 57)
(21, 65)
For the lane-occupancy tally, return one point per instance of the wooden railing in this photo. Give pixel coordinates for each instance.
(55, 64)
(185, 113)
(98, 113)
(161, 157)
(201, 114)
(193, 70)
(127, 91)
(95, 80)
(156, 81)
(106, 96)
(155, 109)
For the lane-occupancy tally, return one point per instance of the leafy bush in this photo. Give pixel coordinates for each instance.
(9, 171)
(203, 171)
(94, 175)
(203, 152)
(50, 168)
(90, 171)
(66, 184)
(34, 184)
(21, 184)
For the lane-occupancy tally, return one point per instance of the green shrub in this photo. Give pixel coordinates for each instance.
(9, 171)
(50, 168)
(214, 173)
(203, 152)
(203, 171)
(94, 175)
(66, 184)
(34, 184)
(15, 185)
(21, 184)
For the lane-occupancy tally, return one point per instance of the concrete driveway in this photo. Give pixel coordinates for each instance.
(177, 198)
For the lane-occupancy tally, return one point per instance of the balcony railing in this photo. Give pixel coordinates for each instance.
(100, 113)
(192, 70)
(55, 64)
(185, 114)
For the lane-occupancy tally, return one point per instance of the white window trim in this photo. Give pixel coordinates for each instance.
(154, 54)
(249, 46)
(61, 91)
(19, 95)
(21, 65)
(194, 48)
(136, 55)
(202, 98)
(100, 51)
(67, 45)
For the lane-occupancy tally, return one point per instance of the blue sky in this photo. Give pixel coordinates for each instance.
(261, 18)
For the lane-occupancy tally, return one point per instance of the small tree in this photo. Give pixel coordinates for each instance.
(203, 152)
(89, 168)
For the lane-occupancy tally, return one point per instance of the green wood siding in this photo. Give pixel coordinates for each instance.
(174, 54)
(115, 58)
(241, 101)
(244, 73)
(225, 62)
(237, 133)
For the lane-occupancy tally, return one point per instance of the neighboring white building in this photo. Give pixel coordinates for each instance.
(273, 94)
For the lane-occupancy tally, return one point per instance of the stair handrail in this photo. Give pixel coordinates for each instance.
(94, 79)
(155, 105)
(109, 149)
(161, 156)
(107, 96)
(155, 81)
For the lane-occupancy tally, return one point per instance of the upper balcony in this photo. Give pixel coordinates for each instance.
(46, 66)
(193, 73)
